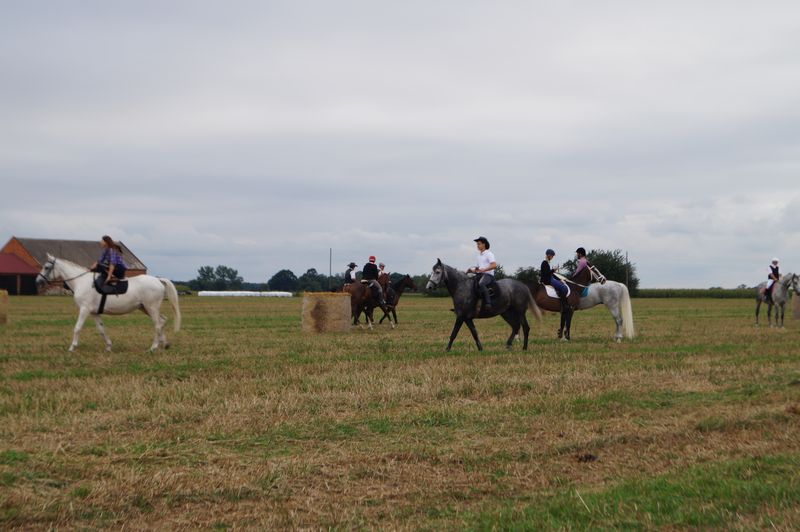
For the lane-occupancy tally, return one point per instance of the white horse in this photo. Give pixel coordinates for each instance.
(780, 295)
(145, 293)
(617, 300)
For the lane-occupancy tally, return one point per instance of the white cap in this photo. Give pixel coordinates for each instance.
(774, 259)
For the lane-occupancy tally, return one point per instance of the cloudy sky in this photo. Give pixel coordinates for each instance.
(261, 134)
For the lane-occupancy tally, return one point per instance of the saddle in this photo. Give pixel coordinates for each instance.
(492, 286)
(115, 288)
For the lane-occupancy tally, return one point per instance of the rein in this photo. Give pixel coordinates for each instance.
(52, 267)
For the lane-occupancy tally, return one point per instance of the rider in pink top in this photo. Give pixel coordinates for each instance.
(580, 255)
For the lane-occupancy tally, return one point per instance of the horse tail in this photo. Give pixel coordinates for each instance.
(537, 313)
(172, 295)
(627, 313)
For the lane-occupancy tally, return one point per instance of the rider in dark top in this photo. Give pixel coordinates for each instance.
(773, 276)
(547, 277)
(370, 274)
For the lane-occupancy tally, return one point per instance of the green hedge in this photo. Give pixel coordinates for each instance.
(718, 293)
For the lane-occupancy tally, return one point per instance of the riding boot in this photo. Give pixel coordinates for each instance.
(487, 300)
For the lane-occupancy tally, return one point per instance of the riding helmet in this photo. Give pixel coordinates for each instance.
(550, 253)
(580, 251)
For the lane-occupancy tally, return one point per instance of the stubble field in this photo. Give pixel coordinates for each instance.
(246, 422)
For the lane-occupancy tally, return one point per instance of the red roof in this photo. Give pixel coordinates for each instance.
(11, 264)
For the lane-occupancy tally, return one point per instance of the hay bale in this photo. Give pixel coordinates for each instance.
(326, 312)
(3, 307)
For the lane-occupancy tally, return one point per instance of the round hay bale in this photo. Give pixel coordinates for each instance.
(326, 312)
(3, 307)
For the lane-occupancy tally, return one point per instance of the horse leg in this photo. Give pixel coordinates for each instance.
(102, 330)
(394, 315)
(563, 323)
(456, 327)
(615, 313)
(83, 313)
(526, 329)
(512, 320)
(474, 332)
(758, 306)
(569, 325)
(782, 310)
(163, 339)
(152, 313)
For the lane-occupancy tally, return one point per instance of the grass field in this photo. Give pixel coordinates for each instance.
(248, 423)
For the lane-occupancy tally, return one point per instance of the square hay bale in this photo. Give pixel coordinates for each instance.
(3, 307)
(326, 312)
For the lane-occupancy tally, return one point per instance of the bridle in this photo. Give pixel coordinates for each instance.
(442, 274)
(49, 266)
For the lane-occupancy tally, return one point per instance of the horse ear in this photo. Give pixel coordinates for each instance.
(50, 257)
(438, 262)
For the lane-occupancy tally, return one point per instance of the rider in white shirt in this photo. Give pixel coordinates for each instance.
(485, 269)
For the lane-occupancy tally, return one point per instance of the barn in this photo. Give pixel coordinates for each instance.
(17, 277)
(32, 252)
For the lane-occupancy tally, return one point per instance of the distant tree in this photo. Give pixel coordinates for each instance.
(219, 278)
(284, 280)
(227, 278)
(499, 273)
(205, 279)
(526, 275)
(311, 281)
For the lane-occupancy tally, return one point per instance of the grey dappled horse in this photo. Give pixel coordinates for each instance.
(780, 295)
(511, 300)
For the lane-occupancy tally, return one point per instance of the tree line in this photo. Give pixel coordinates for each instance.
(611, 263)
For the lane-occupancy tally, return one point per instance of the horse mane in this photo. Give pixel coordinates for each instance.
(59, 259)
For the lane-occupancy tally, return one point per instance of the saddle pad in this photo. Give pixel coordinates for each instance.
(551, 292)
(118, 288)
(585, 291)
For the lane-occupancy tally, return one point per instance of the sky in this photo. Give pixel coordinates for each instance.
(262, 135)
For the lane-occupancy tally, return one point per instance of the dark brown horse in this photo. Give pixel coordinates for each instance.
(362, 300)
(393, 293)
(553, 304)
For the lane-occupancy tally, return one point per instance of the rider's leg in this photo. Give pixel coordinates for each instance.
(483, 285)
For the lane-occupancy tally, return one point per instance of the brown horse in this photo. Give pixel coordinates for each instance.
(362, 300)
(553, 304)
(393, 294)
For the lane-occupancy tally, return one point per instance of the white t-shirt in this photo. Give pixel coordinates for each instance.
(485, 259)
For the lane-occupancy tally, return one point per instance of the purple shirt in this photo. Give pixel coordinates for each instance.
(111, 257)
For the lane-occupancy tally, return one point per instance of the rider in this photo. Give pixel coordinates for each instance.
(110, 264)
(485, 270)
(773, 276)
(547, 277)
(582, 263)
(370, 274)
(350, 273)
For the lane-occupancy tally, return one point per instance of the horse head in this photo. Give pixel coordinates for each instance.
(796, 283)
(46, 275)
(408, 282)
(438, 274)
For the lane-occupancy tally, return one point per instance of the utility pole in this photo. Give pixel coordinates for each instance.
(627, 268)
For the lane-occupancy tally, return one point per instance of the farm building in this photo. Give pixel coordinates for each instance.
(17, 277)
(32, 252)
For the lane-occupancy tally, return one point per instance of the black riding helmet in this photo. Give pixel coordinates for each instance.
(581, 252)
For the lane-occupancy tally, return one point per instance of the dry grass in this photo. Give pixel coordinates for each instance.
(249, 423)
